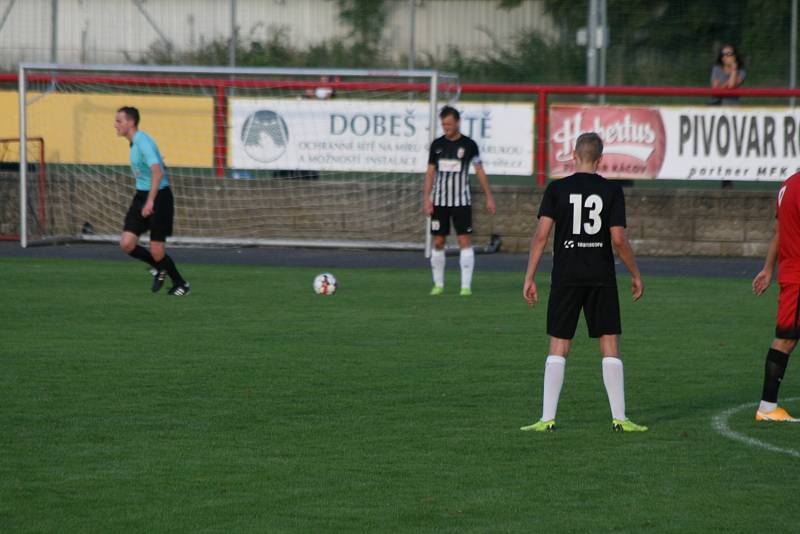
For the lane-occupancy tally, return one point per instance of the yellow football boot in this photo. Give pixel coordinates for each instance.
(540, 426)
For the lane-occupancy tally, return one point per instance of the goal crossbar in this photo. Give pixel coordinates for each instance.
(236, 71)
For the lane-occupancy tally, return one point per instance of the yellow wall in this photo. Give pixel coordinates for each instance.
(79, 128)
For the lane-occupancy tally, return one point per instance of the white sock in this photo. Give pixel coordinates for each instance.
(615, 386)
(467, 262)
(766, 407)
(437, 265)
(553, 380)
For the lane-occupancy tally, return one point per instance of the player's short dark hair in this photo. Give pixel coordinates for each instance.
(589, 147)
(131, 112)
(451, 112)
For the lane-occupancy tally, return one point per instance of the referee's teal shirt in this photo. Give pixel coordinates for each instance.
(144, 153)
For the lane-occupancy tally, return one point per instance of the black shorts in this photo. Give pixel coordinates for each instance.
(159, 223)
(462, 220)
(600, 307)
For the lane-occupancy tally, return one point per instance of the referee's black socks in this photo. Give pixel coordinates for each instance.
(166, 264)
(141, 253)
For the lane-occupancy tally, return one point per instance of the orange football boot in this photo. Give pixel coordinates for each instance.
(778, 414)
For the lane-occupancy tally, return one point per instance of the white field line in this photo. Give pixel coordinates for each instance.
(720, 424)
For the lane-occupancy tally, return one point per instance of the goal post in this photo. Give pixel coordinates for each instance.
(255, 156)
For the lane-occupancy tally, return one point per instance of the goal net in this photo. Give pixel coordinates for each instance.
(10, 186)
(254, 156)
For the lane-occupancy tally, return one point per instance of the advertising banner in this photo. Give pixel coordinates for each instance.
(633, 137)
(687, 143)
(369, 135)
(731, 144)
(78, 127)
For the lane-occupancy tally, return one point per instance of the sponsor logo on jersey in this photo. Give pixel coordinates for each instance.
(449, 165)
(634, 139)
(569, 243)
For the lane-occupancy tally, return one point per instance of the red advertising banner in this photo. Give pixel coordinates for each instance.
(634, 139)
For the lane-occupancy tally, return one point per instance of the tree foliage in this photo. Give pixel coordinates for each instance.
(675, 42)
(366, 20)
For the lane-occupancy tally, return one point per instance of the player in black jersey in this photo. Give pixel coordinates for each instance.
(449, 197)
(588, 212)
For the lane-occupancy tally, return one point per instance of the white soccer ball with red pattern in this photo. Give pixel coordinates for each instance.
(325, 284)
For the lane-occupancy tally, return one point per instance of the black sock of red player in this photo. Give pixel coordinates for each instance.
(773, 374)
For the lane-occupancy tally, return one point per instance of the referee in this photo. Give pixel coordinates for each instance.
(152, 208)
(447, 197)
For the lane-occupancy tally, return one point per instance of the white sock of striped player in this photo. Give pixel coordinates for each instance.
(437, 265)
(467, 261)
(615, 386)
(553, 380)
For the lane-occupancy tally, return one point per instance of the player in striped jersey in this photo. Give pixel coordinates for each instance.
(447, 197)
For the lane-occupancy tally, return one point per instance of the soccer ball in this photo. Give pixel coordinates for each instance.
(325, 284)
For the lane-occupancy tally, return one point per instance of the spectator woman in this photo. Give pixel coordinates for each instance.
(728, 73)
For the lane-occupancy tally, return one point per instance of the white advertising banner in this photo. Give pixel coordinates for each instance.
(369, 135)
(685, 143)
(727, 143)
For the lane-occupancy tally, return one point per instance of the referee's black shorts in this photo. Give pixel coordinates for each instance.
(600, 306)
(159, 223)
(461, 216)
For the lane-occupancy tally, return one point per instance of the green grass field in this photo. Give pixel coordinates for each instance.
(254, 405)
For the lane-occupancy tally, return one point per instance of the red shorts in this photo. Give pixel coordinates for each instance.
(787, 326)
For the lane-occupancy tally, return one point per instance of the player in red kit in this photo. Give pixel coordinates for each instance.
(785, 248)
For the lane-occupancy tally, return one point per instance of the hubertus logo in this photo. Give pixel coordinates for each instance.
(634, 142)
(265, 136)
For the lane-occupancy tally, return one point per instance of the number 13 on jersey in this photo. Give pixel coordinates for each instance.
(594, 203)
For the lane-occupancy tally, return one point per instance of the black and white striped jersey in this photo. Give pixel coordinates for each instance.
(452, 160)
